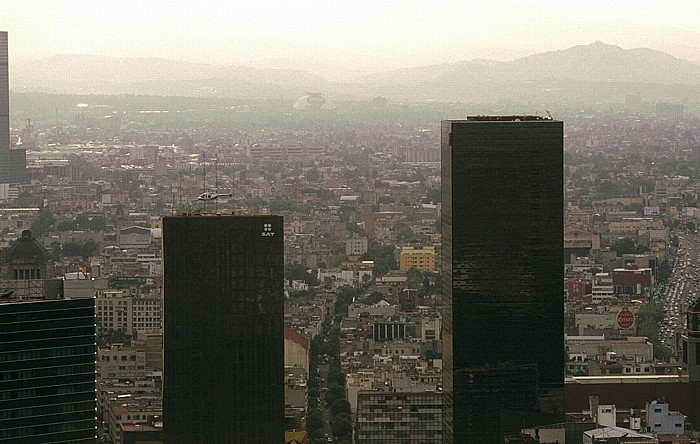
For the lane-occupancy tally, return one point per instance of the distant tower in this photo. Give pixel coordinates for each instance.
(4, 95)
(13, 162)
(502, 272)
(691, 343)
(223, 375)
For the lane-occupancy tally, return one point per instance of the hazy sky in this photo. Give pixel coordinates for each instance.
(370, 35)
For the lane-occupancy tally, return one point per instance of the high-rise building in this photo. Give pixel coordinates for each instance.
(13, 162)
(47, 370)
(223, 375)
(4, 93)
(502, 233)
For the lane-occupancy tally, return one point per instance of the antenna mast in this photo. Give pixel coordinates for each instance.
(204, 175)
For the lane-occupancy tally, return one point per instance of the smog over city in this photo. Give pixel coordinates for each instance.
(349, 222)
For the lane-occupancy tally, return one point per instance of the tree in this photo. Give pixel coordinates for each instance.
(383, 257)
(414, 278)
(112, 336)
(66, 225)
(315, 420)
(373, 298)
(433, 195)
(75, 249)
(299, 272)
(313, 175)
(341, 425)
(44, 220)
(316, 434)
(337, 259)
(336, 376)
(24, 199)
(335, 391)
(340, 406)
(403, 232)
(623, 246)
(664, 271)
(648, 319)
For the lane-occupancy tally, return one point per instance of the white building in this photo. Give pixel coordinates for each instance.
(661, 420)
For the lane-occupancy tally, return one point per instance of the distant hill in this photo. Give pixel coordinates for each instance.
(88, 74)
(594, 72)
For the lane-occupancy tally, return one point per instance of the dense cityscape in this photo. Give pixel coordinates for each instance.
(203, 270)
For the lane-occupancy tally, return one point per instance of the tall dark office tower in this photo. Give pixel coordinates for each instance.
(223, 376)
(502, 234)
(13, 163)
(47, 371)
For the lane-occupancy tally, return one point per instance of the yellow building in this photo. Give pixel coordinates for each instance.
(296, 437)
(420, 258)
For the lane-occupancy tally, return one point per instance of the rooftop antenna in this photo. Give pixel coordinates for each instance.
(216, 181)
(179, 189)
(204, 175)
(549, 114)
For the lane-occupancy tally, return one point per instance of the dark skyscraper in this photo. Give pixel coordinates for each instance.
(502, 228)
(47, 371)
(13, 163)
(223, 377)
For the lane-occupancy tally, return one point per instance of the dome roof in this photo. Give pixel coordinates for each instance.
(26, 250)
(314, 101)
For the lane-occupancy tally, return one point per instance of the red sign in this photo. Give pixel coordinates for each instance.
(625, 318)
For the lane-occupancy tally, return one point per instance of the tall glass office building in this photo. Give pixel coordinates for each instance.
(502, 234)
(47, 371)
(223, 376)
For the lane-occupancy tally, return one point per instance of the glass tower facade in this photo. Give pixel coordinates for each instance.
(47, 371)
(223, 376)
(502, 271)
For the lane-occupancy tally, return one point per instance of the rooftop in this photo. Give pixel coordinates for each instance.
(513, 118)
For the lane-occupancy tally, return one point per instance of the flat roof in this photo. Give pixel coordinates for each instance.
(511, 118)
(618, 379)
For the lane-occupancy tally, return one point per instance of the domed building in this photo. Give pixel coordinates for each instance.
(314, 101)
(27, 259)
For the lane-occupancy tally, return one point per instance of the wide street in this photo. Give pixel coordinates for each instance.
(681, 290)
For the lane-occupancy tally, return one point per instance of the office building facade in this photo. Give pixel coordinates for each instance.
(387, 417)
(223, 376)
(47, 371)
(502, 232)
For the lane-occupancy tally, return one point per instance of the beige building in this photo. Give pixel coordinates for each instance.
(118, 361)
(118, 311)
(356, 246)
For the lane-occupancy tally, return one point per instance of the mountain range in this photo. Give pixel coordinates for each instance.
(594, 72)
